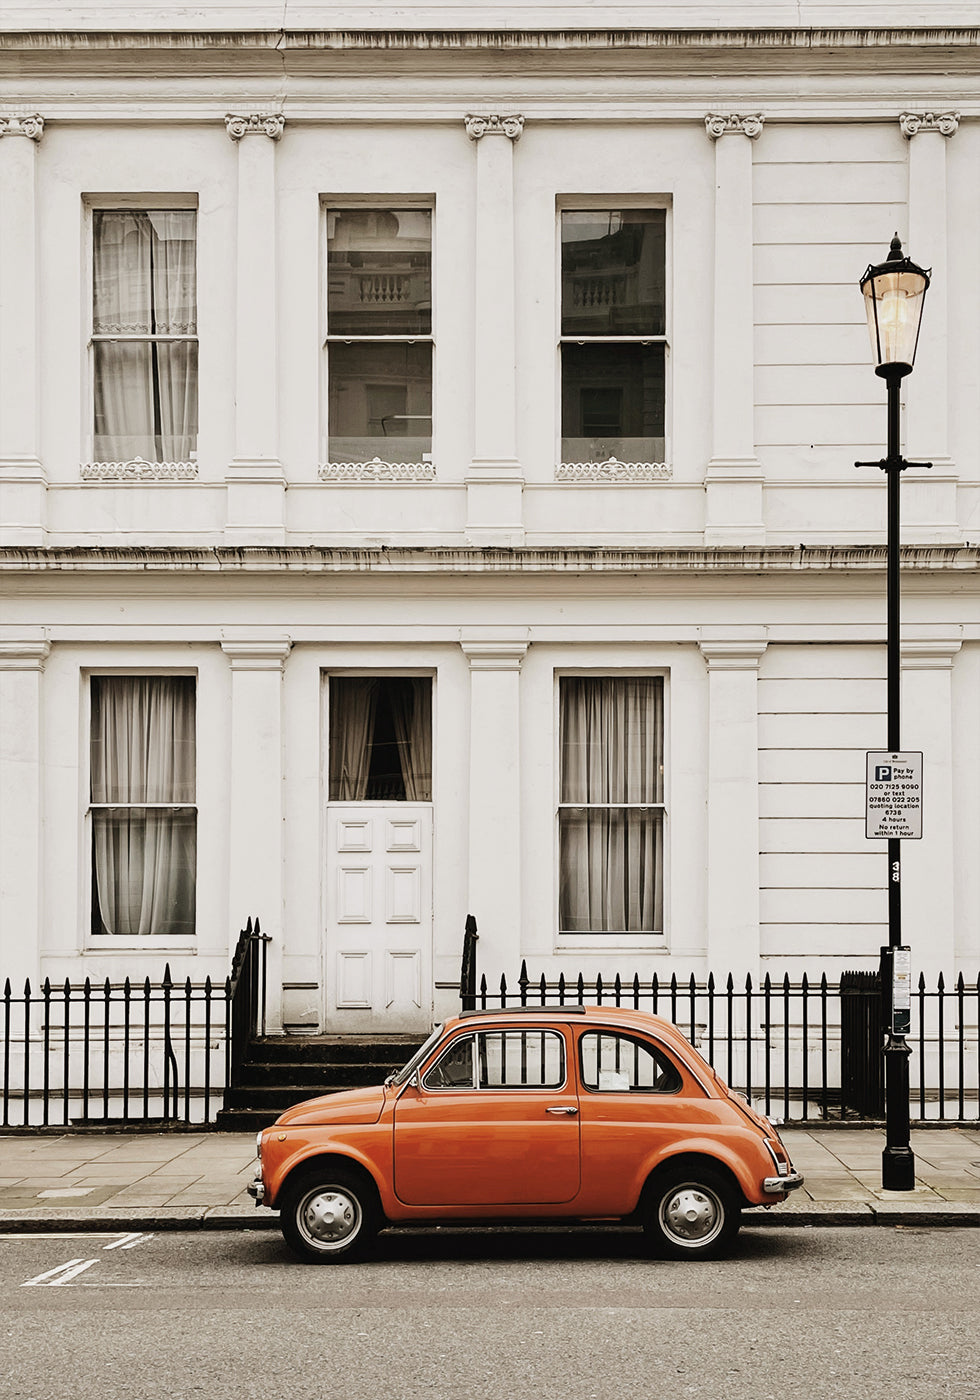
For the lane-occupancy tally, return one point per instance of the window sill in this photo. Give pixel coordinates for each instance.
(150, 943)
(138, 470)
(614, 472)
(376, 471)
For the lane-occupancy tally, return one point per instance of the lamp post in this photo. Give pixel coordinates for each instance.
(894, 293)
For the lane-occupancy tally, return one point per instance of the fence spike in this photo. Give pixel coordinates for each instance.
(730, 985)
(580, 988)
(248, 926)
(27, 989)
(922, 982)
(543, 984)
(107, 988)
(523, 980)
(598, 989)
(257, 928)
(673, 984)
(767, 984)
(805, 984)
(87, 988)
(941, 984)
(711, 981)
(168, 981)
(6, 989)
(786, 983)
(207, 984)
(47, 986)
(748, 981)
(823, 984)
(960, 984)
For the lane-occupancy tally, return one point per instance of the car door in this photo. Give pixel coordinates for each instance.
(493, 1122)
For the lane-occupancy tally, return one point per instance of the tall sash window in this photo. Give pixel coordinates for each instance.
(143, 812)
(611, 813)
(144, 334)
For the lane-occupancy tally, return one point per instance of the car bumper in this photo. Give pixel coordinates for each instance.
(256, 1189)
(778, 1185)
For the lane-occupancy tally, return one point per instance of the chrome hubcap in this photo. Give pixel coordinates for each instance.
(329, 1218)
(692, 1215)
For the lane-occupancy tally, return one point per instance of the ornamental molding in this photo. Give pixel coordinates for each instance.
(946, 123)
(255, 124)
(256, 654)
(30, 125)
(493, 125)
(139, 470)
(613, 470)
(24, 653)
(376, 471)
(731, 124)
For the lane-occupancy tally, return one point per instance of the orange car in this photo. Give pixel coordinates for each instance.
(548, 1113)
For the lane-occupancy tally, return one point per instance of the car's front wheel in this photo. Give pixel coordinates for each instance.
(330, 1216)
(691, 1214)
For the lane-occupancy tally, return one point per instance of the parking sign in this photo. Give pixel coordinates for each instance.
(893, 796)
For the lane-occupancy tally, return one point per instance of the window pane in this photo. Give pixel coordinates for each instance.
(143, 739)
(145, 271)
(521, 1060)
(144, 867)
(380, 739)
(145, 401)
(612, 402)
(612, 739)
(613, 271)
(610, 870)
(379, 402)
(619, 1064)
(454, 1069)
(379, 272)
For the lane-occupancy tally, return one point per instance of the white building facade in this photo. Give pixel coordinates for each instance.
(427, 487)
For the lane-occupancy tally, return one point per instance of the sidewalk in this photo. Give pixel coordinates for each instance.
(141, 1181)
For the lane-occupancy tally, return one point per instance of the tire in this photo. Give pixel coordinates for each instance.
(330, 1215)
(691, 1214)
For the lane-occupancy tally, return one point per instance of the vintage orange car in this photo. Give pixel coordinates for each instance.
(575, 1113)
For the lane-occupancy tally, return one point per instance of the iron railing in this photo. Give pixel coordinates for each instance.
(789, 1046)
(129, 1053)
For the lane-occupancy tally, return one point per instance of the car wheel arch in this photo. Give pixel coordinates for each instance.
(690, 1163)
(316, 1162)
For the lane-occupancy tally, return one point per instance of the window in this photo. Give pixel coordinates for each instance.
(613, 1063)
(380, 739)
(509, 1059)
(379, 335)
(613, 334)
(143, 813)
(611, 812)
(144, 334)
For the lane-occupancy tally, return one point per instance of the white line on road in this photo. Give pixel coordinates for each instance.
(64, 1273)
(128, 1241)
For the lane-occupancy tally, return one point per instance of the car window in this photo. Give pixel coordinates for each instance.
(614, 1063)
(508, 1059)
(521, 1059)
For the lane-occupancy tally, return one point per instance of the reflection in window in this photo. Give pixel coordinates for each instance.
(379, 335)
(613, 334)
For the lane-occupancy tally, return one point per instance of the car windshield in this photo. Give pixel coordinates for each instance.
(417, 1058)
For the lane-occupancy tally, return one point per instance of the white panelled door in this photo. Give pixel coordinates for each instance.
(378, 974)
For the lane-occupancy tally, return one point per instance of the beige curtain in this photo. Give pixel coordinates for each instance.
(143, 752)
(353, 701)
(411, 712)
(145, 284)
(611, 852)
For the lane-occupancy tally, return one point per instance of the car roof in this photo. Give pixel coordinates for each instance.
(627, 1016)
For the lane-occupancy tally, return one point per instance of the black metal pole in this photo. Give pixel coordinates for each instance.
(897, 1160)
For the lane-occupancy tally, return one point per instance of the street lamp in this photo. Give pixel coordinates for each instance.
(894, 293)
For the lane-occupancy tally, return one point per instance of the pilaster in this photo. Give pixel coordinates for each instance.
(255, 512)
(22, 659)
(733, 658)
(256, 804)
(22, 477)
(929, 865)
(929, 498)
(495, 658)
(495, 480)
(733, 478)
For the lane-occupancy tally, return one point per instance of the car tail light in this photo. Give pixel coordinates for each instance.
(778, 1154)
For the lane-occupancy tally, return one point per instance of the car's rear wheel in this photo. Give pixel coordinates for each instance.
(691, 1214)
(330, 1215)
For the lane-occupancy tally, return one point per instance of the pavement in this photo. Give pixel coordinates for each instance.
(197, 1180)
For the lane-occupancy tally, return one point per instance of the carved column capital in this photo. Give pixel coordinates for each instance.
(731, 124)
(493, 125)
(255, 124)
(946, 123)
(30, 125)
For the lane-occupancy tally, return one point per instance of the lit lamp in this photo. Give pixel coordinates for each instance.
(894, 294)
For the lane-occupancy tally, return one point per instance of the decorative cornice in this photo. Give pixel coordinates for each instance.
(946, 123)
(24, 653)
(733, 653)
(377, 471)
(257, 655)
(612, 470)
(493, 125)
(731, 124)
(30, 125)
(255, 124)
(723, 559)
(139, 470)
(503, 651)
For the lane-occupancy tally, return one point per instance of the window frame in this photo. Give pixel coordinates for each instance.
(616, 941)
(597, 203)
(169, 202)
(633, 1038)
(158, 942)
(425, 468)
(475, 1086)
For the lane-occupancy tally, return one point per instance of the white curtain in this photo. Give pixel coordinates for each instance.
(611, 855)
(411, 712)
(145, 285)
(353, 701)
(143, 752)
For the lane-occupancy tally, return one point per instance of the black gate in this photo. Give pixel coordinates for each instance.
(861, 1039)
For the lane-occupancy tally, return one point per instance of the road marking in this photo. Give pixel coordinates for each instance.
(64, 1273)
(128, 1241)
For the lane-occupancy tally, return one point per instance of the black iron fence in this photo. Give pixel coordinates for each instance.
(129, 1053)
(805, 1050)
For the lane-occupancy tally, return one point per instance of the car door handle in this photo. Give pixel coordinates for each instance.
(561, 1108)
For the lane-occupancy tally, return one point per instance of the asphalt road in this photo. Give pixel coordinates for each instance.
(826, 1314)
